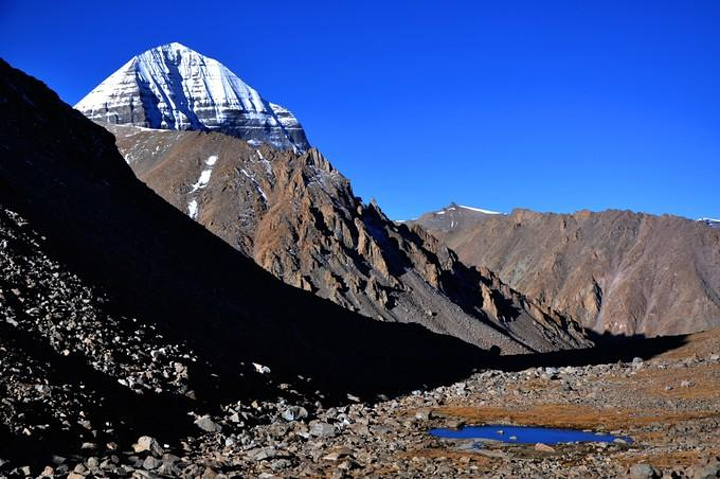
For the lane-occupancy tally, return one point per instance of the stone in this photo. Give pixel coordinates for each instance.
(544, 447)
(262, 453)
(322, 429)
(148, 444)
(207, 424)
(279, 464)
(209, 473)
(293, 413)
(643, 471)
(422, 415)
(151, 463)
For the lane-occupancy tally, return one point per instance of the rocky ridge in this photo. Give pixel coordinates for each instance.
(616, 272)
(298, 217)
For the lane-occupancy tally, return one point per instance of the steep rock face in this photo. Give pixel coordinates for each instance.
(174, 87)
(297, 216)
(616, 271)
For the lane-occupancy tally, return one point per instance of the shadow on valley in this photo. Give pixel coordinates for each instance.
(608, 349)
(64, 175)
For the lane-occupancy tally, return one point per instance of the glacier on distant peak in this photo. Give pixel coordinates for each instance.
(174, 87)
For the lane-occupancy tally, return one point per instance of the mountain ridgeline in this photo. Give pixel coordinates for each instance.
(618, 272)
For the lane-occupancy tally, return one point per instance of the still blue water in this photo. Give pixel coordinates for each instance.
(524, 434)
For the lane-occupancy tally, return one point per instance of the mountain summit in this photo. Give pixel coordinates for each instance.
(174, 87)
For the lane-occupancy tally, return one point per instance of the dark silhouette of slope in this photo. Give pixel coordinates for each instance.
(65, 175)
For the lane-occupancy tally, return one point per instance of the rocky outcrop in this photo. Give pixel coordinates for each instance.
(298, 217)
(615, 271)
(174, 87)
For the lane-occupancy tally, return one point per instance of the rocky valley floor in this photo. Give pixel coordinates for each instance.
(668, 404)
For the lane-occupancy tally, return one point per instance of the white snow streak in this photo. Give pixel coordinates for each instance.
(193, 209)
(201, 183)
(479, 210)
(255, 183)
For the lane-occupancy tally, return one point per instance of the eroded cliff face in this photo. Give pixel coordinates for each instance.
(297, 217)
(615, 271)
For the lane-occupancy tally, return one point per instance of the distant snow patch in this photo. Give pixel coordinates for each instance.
(193, 209)
(204, 179)
(201, 183)
(712, 222)
(480, 210)
(268, 166)
(255, 183)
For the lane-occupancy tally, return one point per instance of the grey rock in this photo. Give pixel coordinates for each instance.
(322, 429)
(151, 463)
(262, 453)
(279, 464)
(293, 413)
(643, 471)
(207, 424)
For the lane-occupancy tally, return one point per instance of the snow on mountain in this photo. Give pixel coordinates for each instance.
(712, 222)
(174, 87)
(457, 207)
(480, 210)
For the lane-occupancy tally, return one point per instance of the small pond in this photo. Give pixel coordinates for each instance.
(525, 434)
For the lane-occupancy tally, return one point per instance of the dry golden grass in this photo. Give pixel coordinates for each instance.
(702, 344)
(563, 415)
(706, 379)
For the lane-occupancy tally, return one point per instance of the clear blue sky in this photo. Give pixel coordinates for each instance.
(549, 105)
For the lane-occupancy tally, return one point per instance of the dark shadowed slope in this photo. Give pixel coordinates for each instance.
(615, 271)
(64, 174)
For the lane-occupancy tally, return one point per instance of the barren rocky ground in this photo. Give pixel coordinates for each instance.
(668, 404)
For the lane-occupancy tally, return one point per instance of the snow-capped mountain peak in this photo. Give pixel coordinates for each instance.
(175, 87)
